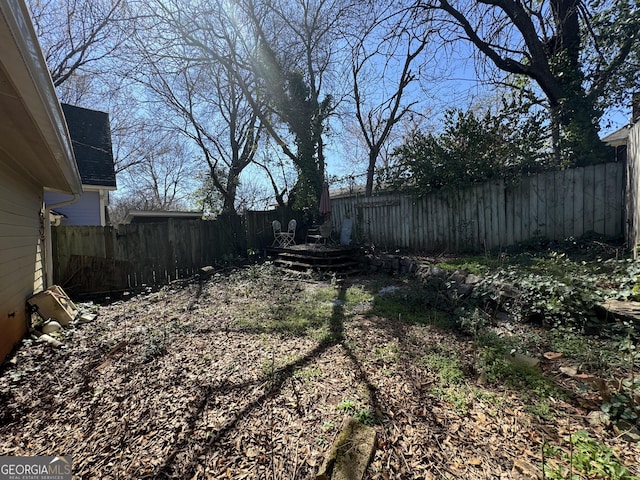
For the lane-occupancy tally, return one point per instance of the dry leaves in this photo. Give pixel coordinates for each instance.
(152, 389)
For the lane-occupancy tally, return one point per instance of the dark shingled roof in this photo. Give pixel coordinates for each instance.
(91, 139)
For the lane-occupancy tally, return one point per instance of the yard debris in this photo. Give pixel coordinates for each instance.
(552, 355)
(55, 304)
(43, 337)
(598, 418)
(522, 360)
(87, 317)
(51, 327)
(625, 310)
(115, 349)
(206, 272)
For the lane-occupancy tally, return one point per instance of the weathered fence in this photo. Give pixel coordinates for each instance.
(104, 259)
(555, 205)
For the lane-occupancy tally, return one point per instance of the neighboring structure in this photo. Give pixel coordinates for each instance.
(91, 138)
(618, 140)
(35, 154)
(626, 142)
(156, 216)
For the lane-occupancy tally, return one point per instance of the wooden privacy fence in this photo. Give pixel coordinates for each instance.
(555, 205)
(105, 259)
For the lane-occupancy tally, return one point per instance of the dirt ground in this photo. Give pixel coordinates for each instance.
(202, 380)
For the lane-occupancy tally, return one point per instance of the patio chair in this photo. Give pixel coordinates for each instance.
(325, 231)
(283, 239)
(320, 233)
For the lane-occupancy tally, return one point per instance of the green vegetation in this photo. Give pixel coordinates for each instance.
(587, 459)
(411, 306)
(360, 413)
(450, 383)
(470, 149)
(290, 312)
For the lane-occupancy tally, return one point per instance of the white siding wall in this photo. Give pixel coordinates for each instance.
(86, 211)
(21, 252)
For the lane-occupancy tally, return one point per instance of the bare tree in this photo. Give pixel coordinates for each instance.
(383, 65)
(278, 54)
(83, 43)
(76, 34)
(162, 179)
(208, 106)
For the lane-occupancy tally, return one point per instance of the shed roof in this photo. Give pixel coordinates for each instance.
(145, 216)
(617, 138)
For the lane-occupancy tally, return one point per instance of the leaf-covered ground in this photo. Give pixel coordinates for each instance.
(251, 373)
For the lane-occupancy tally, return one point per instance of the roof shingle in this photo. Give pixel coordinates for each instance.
(91, 139)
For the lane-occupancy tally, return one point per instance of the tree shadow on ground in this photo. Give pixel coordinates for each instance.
(277, 379)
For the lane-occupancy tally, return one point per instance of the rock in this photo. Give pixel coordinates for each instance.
(506, 290)
(473, 279)
(50, 340)
(350, 453)
(598, 418)
(436, 272)
(458, 278)
(207, 271)
(51, 326)
(521, 360)
(464, 289)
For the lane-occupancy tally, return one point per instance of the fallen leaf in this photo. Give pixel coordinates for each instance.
(552, 355)
(569, 371)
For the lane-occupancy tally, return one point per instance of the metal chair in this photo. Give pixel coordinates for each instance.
(283, 239)
(320, 233)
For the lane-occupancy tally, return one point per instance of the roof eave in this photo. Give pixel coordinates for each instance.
(32, 82)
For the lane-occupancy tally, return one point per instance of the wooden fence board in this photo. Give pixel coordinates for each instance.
(482, 234)
(611, 199)
(566, 199)
(599, 198)
(578, 202)
(510, 216)
(588, 199)
(620, 197)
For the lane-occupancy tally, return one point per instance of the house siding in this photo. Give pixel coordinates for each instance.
(21, 252)
(86, 211)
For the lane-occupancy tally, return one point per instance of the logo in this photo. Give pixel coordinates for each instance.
(35, 468)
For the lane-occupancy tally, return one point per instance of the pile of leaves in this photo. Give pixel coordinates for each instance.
(251, 373)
